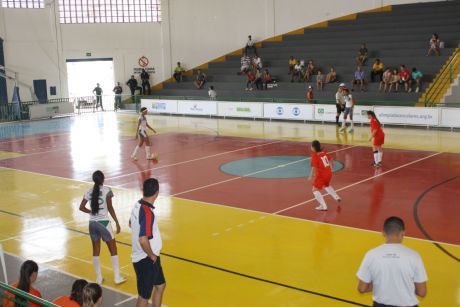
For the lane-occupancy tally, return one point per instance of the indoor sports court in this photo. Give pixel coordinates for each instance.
(235, 208)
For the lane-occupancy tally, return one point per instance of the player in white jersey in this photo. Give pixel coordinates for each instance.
(349, 104)
(100, 198)
(141, 133)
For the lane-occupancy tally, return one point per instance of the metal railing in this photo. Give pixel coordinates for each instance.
(9, 297)
(443, 80)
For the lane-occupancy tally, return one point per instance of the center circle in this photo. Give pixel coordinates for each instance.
(273, 167)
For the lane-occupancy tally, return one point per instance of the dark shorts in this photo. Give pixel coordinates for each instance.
(382, 305)
(100, 229)
(148, 275)
(339, 108)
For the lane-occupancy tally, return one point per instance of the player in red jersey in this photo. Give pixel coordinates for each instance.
(321, 173)
(377, 138)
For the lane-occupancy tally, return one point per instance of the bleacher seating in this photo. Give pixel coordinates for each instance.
(399, 36)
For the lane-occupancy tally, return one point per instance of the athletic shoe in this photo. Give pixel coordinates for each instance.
(321, 208)
(338, 200)
(410, 90)
(100, 280)
(134, 158)
(246, 89)
(120, 280)
(417, 90)
(351, 130)
(153, 156)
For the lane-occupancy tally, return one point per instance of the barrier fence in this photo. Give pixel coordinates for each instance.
(410, 116)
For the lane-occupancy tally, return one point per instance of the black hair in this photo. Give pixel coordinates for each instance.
(98, 178)
(91, 294)
(372, 114)
(151, 187)
(211, 87)
(77, 291)
(404, 66)
(28, 267)
(316, 145)
(143, 109)
(414, 69)
(436, 35)
(393, 225)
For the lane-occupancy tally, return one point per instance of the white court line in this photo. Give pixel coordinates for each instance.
(31, 136)
(194, 160)
(359, 182)
(254, 173)
(125, 301)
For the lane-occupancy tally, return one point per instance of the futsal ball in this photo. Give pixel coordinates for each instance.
(155, 156)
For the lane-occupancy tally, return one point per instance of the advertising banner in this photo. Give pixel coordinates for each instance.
(288, 111)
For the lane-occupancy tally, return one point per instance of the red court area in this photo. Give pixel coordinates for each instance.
(421, 187)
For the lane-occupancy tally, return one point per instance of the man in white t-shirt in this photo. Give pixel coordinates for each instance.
(395, 274)
(250, 44)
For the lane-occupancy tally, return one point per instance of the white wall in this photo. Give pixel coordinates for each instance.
(192, 32)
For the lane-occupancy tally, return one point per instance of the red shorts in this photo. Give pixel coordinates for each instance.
(322, 182)
(379, 140)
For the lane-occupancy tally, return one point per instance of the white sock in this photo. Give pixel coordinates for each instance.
(380, 156)
(330, 190)
(320, 199)
(376, 157)
(116, 267)
(147, 151)
(97, 266)
(352, 125)
(135, 151)
(344, 124)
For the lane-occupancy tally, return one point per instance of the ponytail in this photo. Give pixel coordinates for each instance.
(372, 114)
(77, 291)
(27, 269)
(316, 145)
(91, 294)
(98, 178)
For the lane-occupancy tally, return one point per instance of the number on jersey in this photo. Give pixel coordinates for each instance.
(325, 161)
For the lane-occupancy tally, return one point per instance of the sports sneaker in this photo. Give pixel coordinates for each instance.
(417, 90)
(120, 280)
(350, 130)
(99, 280)
(410, 90)
(321, 208)
(338, 199)
(153, 156)
(246, 89)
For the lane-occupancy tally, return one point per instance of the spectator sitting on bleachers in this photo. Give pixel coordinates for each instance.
(266, 79)
(416, 77)
(309, 71)
(250, 44)
(257, 62)
(27, 276)
(320, 80)
(75, 299)
(258, 79)
(331, 76)
(251, 79)
(292, 63)
(358, 79)
(212, 93)
(362, 55)
(296, 73)
(200, 79)
(395, 78)
(377, 70)
(178, 71)
(92, 295)
(386, 80)
(245, 64)
(434, 45)
(404, 74)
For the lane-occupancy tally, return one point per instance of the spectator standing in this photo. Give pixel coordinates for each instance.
(395, 79)
(245, 64)
(292, 62)
(395, 274)
(386, 80)
(98, 92)
(320, 81)
(331, 76)
(377, 70)
(200, 79)
(309, 71)
(358, 79)
(258, 79)
(339, 102)
(251, 79)
(348, 112)
(434, 45)
(416, 77)
(250, 44)
(310, 95)
(117, 91)
(212, 93)
(27, 276)
(404, 75)
(92, 295)
(75, 299)
(132, 83)
(145, 76)
(266, 79)
(361, 59)
(178, 72)
(146, 247)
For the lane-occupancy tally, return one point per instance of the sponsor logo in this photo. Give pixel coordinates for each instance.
(296, 111)
(245, 110)
(159, 106)
(196, 108)
(279, 110)
(320, 111)
(364, 112)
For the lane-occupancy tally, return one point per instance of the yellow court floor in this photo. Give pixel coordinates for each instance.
(213, 254)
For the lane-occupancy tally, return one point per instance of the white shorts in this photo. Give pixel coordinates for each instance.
(143, 133)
